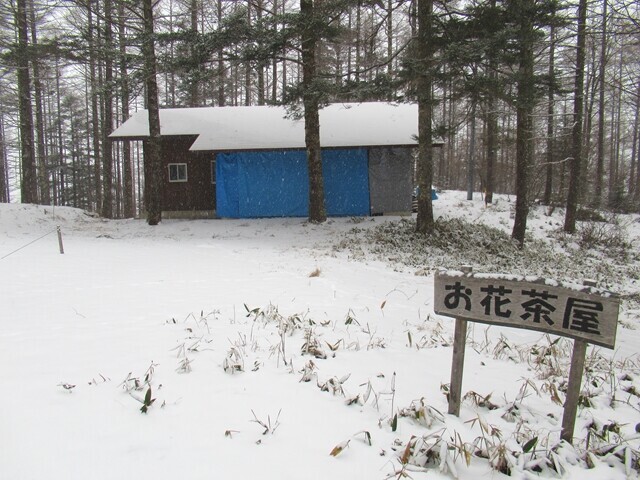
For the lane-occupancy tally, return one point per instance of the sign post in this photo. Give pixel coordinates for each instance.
(457, 366)
(584, 313)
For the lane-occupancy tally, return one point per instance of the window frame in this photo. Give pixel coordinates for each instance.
(178, 178)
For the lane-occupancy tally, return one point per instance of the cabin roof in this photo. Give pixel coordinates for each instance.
(270, 127)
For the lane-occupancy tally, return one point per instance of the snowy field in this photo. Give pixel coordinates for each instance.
(276, 349)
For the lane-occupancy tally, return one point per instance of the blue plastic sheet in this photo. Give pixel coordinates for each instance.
(276, 183)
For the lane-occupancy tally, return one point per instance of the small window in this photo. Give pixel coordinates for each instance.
(177, 172)
(213, 172)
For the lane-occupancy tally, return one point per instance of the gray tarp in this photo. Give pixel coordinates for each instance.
(390, 179)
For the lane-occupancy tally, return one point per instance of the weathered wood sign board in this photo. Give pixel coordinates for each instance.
(584, 313)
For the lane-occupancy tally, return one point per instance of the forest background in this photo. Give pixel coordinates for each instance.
(538, 98)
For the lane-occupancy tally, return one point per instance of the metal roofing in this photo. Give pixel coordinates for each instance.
(267, 127)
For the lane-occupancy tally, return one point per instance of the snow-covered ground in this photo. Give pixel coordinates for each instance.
(269, 344)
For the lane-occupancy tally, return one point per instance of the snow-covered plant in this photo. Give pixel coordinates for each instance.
(480, 400)
(254, 314)
(147, 402)
(202, 320)
(374, 340)
(492, 446)
(350, 318)
(550, 359)
(286, 328)
(311, 345)
(607, 441)
(436, 337)
(610, 237)
(268, 427)
(433, 450)
(184, 365)
(334, 385)
(308, 372)
(363, 398)
(339, 448)
(131, 383)
(422, 413)
(234, 361)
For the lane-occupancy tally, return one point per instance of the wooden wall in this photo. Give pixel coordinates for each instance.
(198, 192)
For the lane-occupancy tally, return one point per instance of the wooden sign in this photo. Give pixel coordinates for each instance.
(584, 313)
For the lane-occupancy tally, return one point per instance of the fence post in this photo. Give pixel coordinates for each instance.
(60, 240)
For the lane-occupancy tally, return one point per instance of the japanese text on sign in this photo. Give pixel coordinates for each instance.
(580, 314)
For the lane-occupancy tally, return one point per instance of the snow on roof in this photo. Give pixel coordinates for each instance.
(266, 127)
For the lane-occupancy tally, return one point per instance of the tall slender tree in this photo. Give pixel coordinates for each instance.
(425, 221)
(95, 111)
(4, 171)
(29, 184)
(575, 164)
(311, 94)
(43, 173)
(550, 157)
(602, 82)
(107, 127)
(153, 145)
(525, 103)
(127, 174)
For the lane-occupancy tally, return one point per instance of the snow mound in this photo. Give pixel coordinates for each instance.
(38, 219)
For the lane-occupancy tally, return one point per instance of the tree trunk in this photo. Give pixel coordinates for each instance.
(153, 170)
(425, 222)
(247, 66)
(524, 122)
(95, 126)
(616, 127)
(274, 63)
(548, 185)
(634, 183)
(575, 164)
(261, 65)
(194, 87)
(107, 127)
(62, 161)
(601, 109)
(4, 171)
(317, 211)
(129, 193)
(43, 172)
(389, 8)
(492, 126)
(29, 184)
(221, 71)
(472, 151)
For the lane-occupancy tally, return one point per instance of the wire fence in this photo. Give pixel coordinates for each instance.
(31, 243)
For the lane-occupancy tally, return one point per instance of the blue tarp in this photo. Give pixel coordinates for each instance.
(276, 183)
